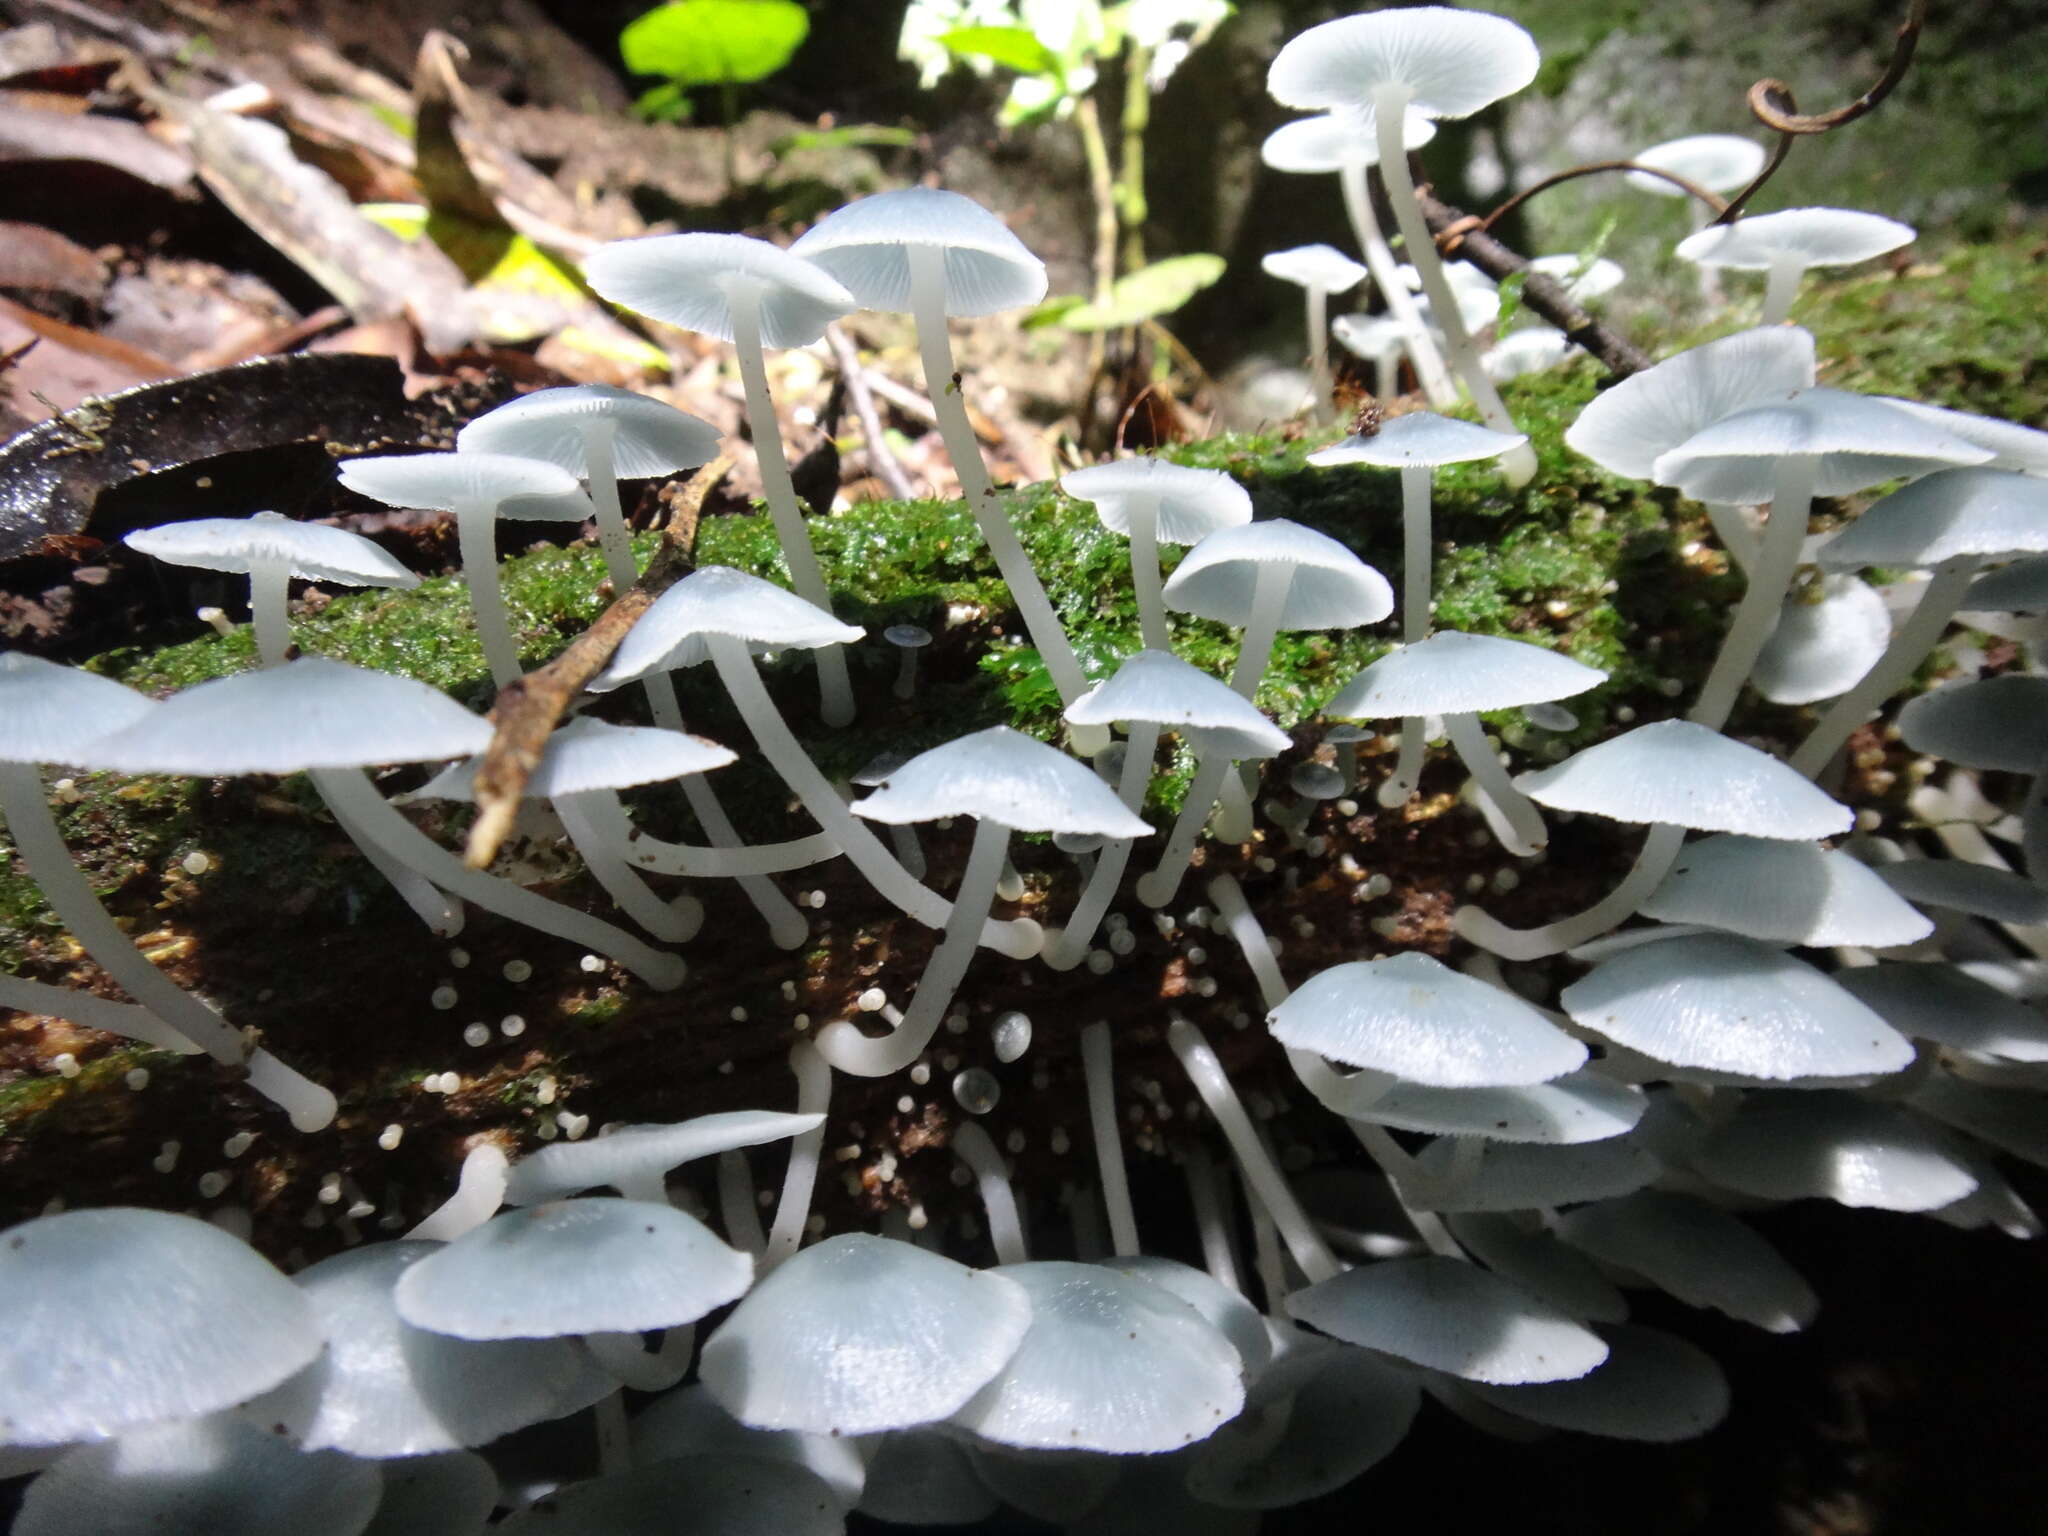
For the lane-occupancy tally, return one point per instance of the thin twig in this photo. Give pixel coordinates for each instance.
(880, 459)
(1448, 242)
(529, 707)
(1771, 103)
(1542, 293)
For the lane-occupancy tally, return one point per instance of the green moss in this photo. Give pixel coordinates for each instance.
(26, 1102)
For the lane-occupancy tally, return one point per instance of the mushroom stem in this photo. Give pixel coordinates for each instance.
(603, 481)
(70, 895)
(1732, 526)
(1644, 876)
(935, 348)
(1782, 286)
(269, 588)
(736, 1207)
(835, 688)
(1066, 950)
(787, 927)
(672, 922)
(1416, 555)
(634, 1365)
(1250, 937)
(972, 1145)
(1261, 628)
(476, 534)
(1157, 888)
(1938, 602)
(1397, 787)
(1018, 940)
(1389, 105)
(1522, 831)
(800, 1177)
(1402, 1175)
(433, 906)
(128, 1020)
(1109, 1146)
(479, 1192)
(1260, 1172)
(697, 862)
(1777, 558)
(351, 789)
(842, 1044)
(1210, 1195)
(1317, 302)
(1234, 815)
(1144, 518)
(1379, 260)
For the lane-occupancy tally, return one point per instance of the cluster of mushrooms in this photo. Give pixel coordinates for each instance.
(1542, 1152)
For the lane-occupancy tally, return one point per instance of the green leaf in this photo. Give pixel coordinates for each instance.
(1158, 289)
(665, 103)
(714, 42)
(851, 136)
(1012, 47)
(1510, 299)
(1050, 311)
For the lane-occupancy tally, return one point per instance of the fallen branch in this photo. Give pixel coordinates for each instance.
(529, 707)
(880, 459)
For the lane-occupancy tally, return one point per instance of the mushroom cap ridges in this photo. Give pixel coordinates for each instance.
(987, 268)
(1330, 141)
(1418, 1019)
(312, 551)
(1822, 649)
(587, 754)
(1654, 1387)
(1454, 62)
(690, 281)
(1779, 890)
(1158, 688)
(859, 1334)
(121, 1317)
(1420, 439)
(719, 600)
(1111, 1362)
(1191, 503)
(447, 481)
(1836, 1146)
(1313, 266)
(1331, 588)
(1697, 1252)
(1451, 672)
(1993, 722)
(1678, 773)
(51, 713)
(1978, 511)
(648, 437)
(1720, 162)
(597, 1265)
(309, 713)
(1003, 776)
(1819, 237)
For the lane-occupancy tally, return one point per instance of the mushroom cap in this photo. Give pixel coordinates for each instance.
(725, 1494)
(1416, 1018)
(1451, 1317)
(1531, 349)
(1727, 1004)
(1820, 649)
(863, 245)
(1331, 588)
(1698, 1253)
(1419, 439)
(2013, 446)
(1578, 1107)
(309, 713)
(1992, 722)
(1541, 1265)
(1370, 336)
(1654, 1387)
(1330, 141)
(1947, 1005)
(648, 436)
(1599, 275)
(1857, 441)
(1521, 1176)
(587, 754)
(1110, 1362)
(1677, 773)
(1819, 237)
(1004, 776)
(1627, 428)
(690, 281)
(923, 1477)
(635, 1153)
(2021, 587)
(1720, 162)
(448, 1493)
(121, 1317)
(719, 600)
(860, 1334)
(56, 714)
(386, 1388)
(689, 1422)
(1835, 1146)
(1453, 673)
(1314, 266)
(1454, 62)
(445, 481)
(574, 1266)
(1191, 503)
(1982, 890)
(1983, 512)
(1784, 892)
(239, 544)
(2010, 1119)
(1237, 1319)
(1158, 688)
(214, 1476)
